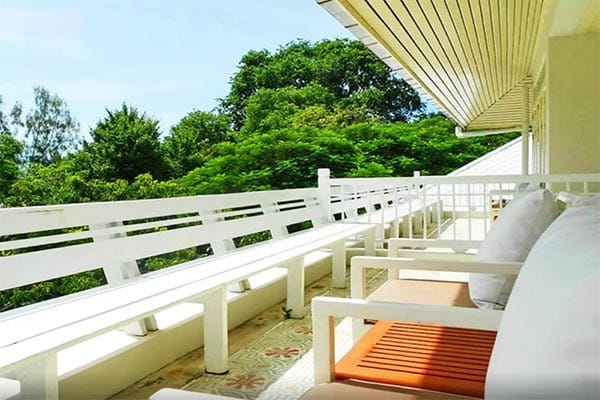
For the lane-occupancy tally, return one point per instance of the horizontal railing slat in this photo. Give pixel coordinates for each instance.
(21, 220)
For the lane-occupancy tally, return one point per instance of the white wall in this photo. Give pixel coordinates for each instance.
(573, 104)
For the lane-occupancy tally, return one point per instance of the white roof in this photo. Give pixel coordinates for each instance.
(505, 160)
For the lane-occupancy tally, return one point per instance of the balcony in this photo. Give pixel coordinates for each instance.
(118, 333)
(228, 259)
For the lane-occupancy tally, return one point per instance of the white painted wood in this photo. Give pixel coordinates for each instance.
(338, 264)
(459, 246)
(253, 260)
(418, 313)
(10, 389)
(215, 331)
(450, 265)
(46, 328)
(369, 239)
(295, 287)
(323, 348)
(38, 378)
(324, 191)
(116, 273)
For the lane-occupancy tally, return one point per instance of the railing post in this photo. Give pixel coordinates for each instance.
(525, 131)
(120, 272)
(324, 192)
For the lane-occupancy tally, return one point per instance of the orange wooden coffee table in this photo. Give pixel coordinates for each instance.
(453, 360)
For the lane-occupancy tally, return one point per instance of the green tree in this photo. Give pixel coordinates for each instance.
(279, 159)
(4, 123)
(49, 130)
(349, 71)
(271, 109)
(10, 152)
(189, 141)
(429, 146)
(126, 144)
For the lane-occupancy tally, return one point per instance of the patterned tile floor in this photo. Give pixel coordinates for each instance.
(262, 350)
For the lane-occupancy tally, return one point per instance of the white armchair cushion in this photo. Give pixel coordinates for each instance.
(510, 239)
(548, 343)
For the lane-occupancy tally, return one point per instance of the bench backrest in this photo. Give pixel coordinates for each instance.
(46, 242)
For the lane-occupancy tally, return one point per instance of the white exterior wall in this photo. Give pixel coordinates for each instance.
(572, 142)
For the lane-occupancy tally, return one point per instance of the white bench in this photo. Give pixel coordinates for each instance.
(115, 236)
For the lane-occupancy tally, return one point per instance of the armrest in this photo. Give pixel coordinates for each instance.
(458, 246)
(324, 309)
(394, 265)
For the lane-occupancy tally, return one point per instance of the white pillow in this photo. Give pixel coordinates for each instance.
(548, 343)
(510, 239)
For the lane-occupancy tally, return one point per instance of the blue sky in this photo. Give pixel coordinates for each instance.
(165, 57)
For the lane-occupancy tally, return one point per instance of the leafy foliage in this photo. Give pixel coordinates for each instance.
(125, 145)
(351, 74)
(279, 159)
(189, 142)
(10, 152)
(30, 294)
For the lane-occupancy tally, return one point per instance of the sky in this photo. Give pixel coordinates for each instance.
(166, 58)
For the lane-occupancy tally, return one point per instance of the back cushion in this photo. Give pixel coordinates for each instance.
(510, 239)
(548, 343)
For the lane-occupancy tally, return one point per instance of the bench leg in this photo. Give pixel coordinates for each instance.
(215, 331)
(338, 264)
(370, 242)
(39, 379)
(295, 287)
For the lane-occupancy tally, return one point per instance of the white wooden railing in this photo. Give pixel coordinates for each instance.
(418, 206)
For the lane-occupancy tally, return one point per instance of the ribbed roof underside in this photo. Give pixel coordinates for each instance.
(470, 58)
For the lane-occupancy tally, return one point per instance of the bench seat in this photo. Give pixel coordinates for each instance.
(45, 329)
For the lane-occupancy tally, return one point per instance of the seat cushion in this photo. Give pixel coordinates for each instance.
(548, 344)
(424, 356)
(359, 390)
(510, 239)
(416, 291)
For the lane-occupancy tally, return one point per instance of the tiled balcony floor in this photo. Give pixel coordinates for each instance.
(261, 351)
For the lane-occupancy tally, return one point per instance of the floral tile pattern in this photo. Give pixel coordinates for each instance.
(262, 362)
(263, 356)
